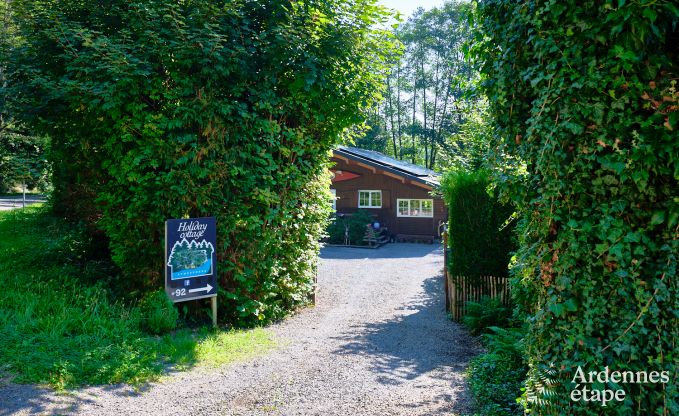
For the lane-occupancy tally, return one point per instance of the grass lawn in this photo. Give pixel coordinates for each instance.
(59, 328)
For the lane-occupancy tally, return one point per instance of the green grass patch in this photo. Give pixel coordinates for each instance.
(60, 326)
(205, 348)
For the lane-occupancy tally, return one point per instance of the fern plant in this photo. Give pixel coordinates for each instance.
(486, 313)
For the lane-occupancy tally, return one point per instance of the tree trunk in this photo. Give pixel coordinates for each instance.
(398, 110)
(433, 122)
(391, 114)
(424, 113)
(412, 135)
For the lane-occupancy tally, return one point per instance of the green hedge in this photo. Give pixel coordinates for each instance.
(171, 109)
(585, 95)
(479, 231)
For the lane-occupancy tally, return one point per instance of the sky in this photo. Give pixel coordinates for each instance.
(407, 7)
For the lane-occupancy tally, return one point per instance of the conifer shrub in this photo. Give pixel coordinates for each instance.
(479, 235)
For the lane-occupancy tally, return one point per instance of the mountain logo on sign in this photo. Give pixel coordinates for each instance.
(190, 259)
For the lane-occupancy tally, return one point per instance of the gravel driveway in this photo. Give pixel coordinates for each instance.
(377, 343)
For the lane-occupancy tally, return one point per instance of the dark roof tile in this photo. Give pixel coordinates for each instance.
(400, 166)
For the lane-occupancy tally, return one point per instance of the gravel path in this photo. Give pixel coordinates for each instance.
(377, 343)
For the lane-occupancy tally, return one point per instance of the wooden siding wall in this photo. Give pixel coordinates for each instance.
(392, 189)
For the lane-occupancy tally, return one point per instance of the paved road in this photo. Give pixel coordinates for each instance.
(378, 343)
(13, 202)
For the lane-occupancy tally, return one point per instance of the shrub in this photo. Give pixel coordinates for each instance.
(497, 377)
(480, 243)
(356, 224)
(509, 342)
(225, 109)
(585, 95)
(158, 313)
(489, 312)
(495, 381)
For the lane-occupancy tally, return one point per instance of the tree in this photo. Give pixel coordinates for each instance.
(22, 160)
(22, 155)
(426, 98)
(170, 109)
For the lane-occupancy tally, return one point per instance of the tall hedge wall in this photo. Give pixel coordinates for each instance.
(585, 93)
(166, 109)
(479, 227)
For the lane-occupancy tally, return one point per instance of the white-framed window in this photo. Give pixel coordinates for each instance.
(423, 208)
(370, 199)
(334, 199)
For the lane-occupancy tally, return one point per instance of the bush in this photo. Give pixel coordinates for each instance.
(489, 312)
(480, 243)
(585, 95)
(357, 226)
(158, 313)
(508, 342)
(496, 381)
(225, 109)
(497, 377)
(59, 325)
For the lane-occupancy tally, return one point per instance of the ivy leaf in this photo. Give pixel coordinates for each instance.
(650, 14)
(658, 217)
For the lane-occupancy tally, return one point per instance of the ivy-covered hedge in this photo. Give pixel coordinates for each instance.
(479, 226)
(585, 94)
(169, 109)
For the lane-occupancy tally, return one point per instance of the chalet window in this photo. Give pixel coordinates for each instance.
(334, 199)
(423, 208)
(370, 199)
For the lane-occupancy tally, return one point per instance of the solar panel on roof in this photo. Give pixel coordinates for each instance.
(388, 161)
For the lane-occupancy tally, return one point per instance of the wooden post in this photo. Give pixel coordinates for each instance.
(459, 286)
(444, 237)
(453, 300)
(462, 282)
(213, 301)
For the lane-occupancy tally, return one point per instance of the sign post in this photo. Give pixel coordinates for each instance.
(191, 260)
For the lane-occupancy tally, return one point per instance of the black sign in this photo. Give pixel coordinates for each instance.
(190, 258)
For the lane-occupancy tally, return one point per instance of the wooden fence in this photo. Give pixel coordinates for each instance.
(462, 289)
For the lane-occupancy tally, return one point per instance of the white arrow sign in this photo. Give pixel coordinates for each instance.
(201, 289)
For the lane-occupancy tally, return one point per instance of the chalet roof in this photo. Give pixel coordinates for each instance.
(398, 167)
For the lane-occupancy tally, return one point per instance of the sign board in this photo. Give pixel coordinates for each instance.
(190, 258)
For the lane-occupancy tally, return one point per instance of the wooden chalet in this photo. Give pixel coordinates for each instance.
(396, 193)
